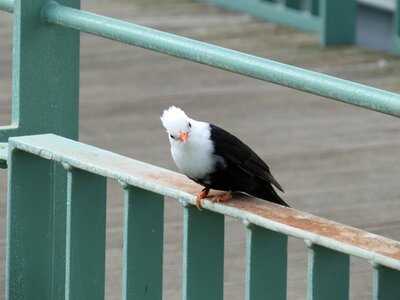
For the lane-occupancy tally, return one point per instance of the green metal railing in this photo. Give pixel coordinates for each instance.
(33, 22)
(56, 208)
(39, 107)
(32, 232)
(334, 21)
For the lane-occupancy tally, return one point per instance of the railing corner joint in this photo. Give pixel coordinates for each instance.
(184, 202)
(45, 7)
(374, 264)
(308, 243)
(247, 223)
(67, 166)
(124, 184)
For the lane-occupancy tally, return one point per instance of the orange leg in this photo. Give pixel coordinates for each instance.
(223, 198)
(201, 196)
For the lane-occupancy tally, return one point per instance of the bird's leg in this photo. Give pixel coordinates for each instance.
(222, 198)
(201, 196)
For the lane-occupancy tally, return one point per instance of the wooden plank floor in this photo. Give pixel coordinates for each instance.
(334, 160)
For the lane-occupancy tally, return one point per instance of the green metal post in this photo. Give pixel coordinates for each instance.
(328, 274)
(386, 283)
(313, 7)
(86, 234)
(59, 189)
(35, 262)
(295, 4)
(143, 244)
(45, 99)
(45, 74)
(397, 29)
(266, 264)
(338, 22)
(203, 262)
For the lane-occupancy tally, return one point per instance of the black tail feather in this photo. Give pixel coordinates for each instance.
(269, 194)
(278, 199)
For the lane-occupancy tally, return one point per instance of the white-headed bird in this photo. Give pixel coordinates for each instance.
(216, 159)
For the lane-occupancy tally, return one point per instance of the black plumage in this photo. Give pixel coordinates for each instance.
(241, 169)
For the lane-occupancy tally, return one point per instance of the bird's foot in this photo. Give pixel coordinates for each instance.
(201, 196)
(223, 198)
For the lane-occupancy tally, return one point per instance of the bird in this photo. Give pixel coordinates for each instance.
(218, 160)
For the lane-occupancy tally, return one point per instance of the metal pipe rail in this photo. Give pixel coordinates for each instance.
(7, 5)
(223, 58)
(318, 16)
(268, 225)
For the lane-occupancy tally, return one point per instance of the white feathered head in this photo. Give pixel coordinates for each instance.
(177, 123)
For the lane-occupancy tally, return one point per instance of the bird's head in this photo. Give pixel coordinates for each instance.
(177, 124)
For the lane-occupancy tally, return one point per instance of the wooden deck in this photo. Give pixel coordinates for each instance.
(334, 160)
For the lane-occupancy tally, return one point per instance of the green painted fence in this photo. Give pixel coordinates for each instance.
(54, 28)
(57, 203)
(32, 234)
(38, 107)
(334, 21)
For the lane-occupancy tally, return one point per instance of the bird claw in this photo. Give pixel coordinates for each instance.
(223, 198)
(201, 196)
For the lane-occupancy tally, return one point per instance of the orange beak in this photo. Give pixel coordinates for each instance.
(183, 136)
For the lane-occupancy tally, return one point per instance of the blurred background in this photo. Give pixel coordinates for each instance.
(334, 160)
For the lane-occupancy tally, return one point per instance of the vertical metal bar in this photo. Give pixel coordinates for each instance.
(203, 261)
(295, 4)
(338, 22)
(30, 230)
(143, 244)
(397, 29)
(59, 192)
(313, 7)
(386, 283)
(45, 74)
(7, 5)
(45, 99)
(86, 234)
(266, 264)
(328, 274)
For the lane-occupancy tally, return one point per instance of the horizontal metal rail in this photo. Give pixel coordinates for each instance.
(288, 221)
(277, 12)
(316, 15)
(7, 5)
(54, 252)
(3, 155)
(223, 58)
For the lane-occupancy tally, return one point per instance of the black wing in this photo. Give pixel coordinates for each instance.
(235, 151)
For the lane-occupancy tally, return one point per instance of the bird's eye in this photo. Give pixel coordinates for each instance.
(172, 136)
(190, 125)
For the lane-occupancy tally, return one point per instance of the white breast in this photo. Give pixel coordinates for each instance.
(195, 158)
